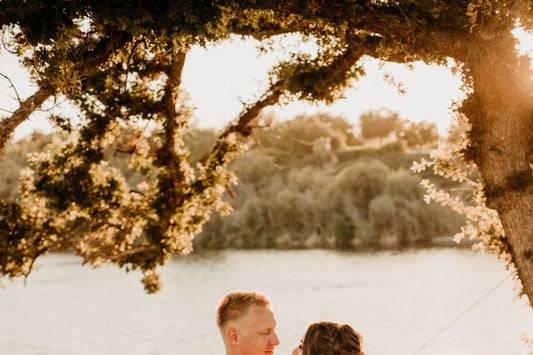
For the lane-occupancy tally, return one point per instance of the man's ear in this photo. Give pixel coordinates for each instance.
(233, 336)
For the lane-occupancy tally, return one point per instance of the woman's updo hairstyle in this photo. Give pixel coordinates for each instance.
(328, 338)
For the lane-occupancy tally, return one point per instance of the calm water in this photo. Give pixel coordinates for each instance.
(397, 300)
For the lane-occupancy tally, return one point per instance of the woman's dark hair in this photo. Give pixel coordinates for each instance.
(328, 338)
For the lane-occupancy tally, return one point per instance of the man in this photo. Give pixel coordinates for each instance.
(247, 324)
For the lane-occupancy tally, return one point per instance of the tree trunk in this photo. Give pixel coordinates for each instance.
(501, 113)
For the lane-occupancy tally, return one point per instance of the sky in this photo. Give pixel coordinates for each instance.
(221, 77)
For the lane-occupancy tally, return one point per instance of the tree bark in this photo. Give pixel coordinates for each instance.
(26, 108)
(501, 113)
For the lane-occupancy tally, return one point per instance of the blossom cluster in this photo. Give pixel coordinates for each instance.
(482, 223)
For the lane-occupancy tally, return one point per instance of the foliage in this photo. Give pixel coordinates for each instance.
(482, 223)
(384, 123)
(419, 134)
(120, 63)
(14, 161)
(297, 201)
(379, 124)
(306, 201)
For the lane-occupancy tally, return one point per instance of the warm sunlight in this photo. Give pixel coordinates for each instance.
(237, 72)
(222, 77)
(525, 41)
(266, 177)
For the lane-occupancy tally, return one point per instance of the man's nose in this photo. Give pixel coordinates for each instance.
(275, 340)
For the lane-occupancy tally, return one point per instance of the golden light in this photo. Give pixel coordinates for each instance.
(525, 41)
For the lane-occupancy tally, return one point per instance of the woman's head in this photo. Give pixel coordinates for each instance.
(328, 338)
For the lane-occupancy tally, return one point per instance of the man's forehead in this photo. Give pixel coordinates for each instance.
(260, 315)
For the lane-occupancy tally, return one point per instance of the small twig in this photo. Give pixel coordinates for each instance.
(242, 102)
(56, 104)
(301, 141)
(5, 45)
(13, 87)
(128, 62)
(27, 273)
(123, 151)
(130, 252)
(230, 192)
(137, 192)
(411, 32)
(7, 111)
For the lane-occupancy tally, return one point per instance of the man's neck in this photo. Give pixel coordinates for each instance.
(230, 351)
(233, 352)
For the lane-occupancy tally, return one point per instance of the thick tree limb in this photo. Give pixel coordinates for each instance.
(166, 154)
(8, 125)
(174, 72)
(403, 22)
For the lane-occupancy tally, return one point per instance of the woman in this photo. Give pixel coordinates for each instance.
(328, 338)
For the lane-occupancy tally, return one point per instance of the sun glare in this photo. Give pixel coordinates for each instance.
(525, 41)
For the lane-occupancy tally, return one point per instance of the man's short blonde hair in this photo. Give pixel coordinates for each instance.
(235, 305)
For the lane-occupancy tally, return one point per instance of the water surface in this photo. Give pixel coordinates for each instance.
(398, 300)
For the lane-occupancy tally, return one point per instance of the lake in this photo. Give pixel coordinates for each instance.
(398, 300)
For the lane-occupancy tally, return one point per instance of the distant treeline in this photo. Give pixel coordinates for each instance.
(310, 182)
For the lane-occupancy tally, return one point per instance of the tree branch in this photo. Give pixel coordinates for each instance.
(88, 65)
(394, 21)
(13, 87)
(30, 268)
(242, 124)
(173, 72)
(123, 257)
(8, 125)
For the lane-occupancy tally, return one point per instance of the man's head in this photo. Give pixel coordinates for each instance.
(247, 324)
